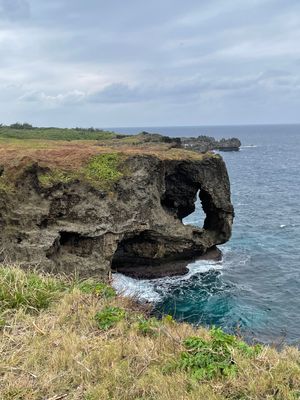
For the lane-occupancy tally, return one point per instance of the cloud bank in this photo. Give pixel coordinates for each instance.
(157, 63)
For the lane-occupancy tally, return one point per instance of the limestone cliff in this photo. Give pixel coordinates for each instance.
(135, 228)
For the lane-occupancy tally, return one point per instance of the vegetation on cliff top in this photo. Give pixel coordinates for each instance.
(102, 171)
(63, 339)
(99, 162)
(26, 131)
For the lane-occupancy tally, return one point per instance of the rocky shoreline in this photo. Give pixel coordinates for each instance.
(207, 143)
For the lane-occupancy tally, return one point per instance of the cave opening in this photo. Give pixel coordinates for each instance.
(198, 216)
(150, 255)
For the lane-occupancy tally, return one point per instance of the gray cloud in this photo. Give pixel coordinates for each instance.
(187, 91)
(14, 9)
(154, 63)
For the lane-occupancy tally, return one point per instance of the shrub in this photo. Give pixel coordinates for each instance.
(148, 326)
(109, 317)
(207, 359)
(17, 125)
(96, 288)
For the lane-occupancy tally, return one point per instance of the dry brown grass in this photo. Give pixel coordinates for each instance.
(71, 155)
(60, 353)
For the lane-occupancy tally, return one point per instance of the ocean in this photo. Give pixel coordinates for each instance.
(255, 290)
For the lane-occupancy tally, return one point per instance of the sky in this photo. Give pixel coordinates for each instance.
(149, 63)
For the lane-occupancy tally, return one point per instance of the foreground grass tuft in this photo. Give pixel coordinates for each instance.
(29, 291)
(207, 359)
(109, 317)
(62, 351)
(89, 286)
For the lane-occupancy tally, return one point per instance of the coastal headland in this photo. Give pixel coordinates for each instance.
(98, 202)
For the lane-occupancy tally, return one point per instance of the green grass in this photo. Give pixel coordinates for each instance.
(148, 326)
(89, 286)
(32, 291)
(103, 170)
(29, 291)
(208, 359)
(5, 187)
(109, 317)
(55, 176)
(90, 344)
(55, 134)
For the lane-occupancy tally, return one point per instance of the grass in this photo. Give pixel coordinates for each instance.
(109, 316)
(98, 161)
(101, 171)
(57, 350)
(55, 134)
(5, 186)
(28, 291)
(55, 176)
(207, 359)
(104, 169)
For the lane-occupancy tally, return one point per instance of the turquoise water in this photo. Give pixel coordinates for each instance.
(255, 289)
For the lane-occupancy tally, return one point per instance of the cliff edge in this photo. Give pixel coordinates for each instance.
(90, 209)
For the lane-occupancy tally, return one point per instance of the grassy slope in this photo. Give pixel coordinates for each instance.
(76, 340)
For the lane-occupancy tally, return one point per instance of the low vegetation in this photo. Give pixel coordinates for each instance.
(64, 339)
(27, 131)
(101, 171)
(79, 154)
(104, 169)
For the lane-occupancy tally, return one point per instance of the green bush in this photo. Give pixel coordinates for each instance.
(207, 359)
(96, 288)
(148, 326)
(109, 317)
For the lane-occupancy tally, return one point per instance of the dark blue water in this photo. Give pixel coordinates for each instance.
(255, 290)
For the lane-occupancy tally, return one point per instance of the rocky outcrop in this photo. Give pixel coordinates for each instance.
(135, 228)
(207, 143)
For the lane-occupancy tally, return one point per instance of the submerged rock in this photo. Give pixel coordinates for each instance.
(135, 227)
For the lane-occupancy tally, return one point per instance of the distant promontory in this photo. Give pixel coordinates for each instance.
(206, 143)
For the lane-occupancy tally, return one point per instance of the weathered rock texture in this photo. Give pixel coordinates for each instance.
(75, 227)
(206, 143)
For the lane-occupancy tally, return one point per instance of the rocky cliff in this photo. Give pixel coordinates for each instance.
(206, 143)
(134, 227)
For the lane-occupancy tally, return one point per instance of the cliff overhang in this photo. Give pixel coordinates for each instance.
(133, 226)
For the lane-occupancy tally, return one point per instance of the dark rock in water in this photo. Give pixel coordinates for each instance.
(203, 144)
(74, 228)
(158, 270)
(232, 144)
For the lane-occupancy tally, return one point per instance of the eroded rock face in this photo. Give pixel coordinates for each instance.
(136, 229)
(206, 143)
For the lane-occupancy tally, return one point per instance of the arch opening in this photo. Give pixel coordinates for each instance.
(198, 216)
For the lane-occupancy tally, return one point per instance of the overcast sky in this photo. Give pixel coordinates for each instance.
(149, 63)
